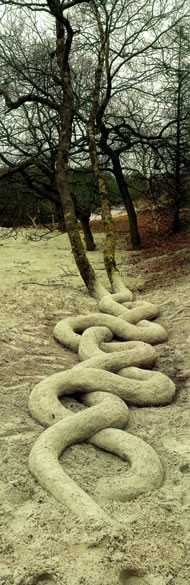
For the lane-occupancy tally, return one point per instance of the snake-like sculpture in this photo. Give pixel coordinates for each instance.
(116, 356)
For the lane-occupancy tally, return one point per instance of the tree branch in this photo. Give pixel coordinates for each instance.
(13, 105)
(23, 165)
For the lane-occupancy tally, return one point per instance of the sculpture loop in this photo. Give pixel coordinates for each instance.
(116, 356)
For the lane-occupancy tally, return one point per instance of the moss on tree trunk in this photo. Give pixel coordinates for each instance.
(109, 227)
(64, 40)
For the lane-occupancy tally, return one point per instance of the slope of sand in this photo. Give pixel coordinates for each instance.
(42, 542)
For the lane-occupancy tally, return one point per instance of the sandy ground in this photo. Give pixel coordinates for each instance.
(42, 543)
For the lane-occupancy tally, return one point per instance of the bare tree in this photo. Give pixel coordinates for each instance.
(127, 65)
(118, 41)
(64, 107)
(175, 151)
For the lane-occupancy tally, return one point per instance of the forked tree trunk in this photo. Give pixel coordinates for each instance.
(64, 36)
(71, 223)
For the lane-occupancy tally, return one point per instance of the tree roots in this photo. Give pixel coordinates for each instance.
(109, 375)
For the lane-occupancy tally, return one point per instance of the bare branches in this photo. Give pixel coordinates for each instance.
(13, 105)
(108, 63)
(68, 5)
(22, 166)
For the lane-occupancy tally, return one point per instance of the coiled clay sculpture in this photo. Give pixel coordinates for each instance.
(110, 375)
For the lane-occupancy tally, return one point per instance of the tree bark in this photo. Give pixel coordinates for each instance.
(64, 35)
(88, 237)
(148, 190)
(109, 227)
(178, 161)
(133, 227)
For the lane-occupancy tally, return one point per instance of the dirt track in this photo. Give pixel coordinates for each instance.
(42, 543)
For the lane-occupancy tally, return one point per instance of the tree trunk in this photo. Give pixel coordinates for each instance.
(64, 35)
(178, 161)
(133, 227)
(175, 224)
(148, 190)
(109, 227)
(85, 268)
(88, 237)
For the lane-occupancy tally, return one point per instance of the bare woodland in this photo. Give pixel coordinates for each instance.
(95, 445)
